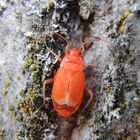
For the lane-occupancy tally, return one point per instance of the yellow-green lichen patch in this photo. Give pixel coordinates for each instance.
(34, 67)
(19, 117)
(108, 88)
(1, 108)
(9, 77)
(15, 113)
(19, 134)
(37, 86)
(11, 110)
(31, 94)
(22, 93)
(122, 28)
(18, 77)
(6, 84)
(28, 63)
(38, 27)
(31, 39)
(25, 106)
(126, 13)
(50, 3)
(2, 134)
(4, 92)
(124, 19)
(10, 107)
(138, 91)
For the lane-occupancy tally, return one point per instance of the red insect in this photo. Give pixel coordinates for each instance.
(69, 81)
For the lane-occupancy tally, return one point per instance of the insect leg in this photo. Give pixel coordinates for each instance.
(58, 57)
(48, 81)
(58, 35)
(90, 92)
(68, 43)
(85, 45)
(91, 65)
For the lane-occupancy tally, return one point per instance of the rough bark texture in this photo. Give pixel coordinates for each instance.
(114, 27)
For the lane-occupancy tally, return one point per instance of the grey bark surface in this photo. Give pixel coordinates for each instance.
(25, 62)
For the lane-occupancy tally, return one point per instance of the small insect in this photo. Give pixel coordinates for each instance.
(69, 80)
